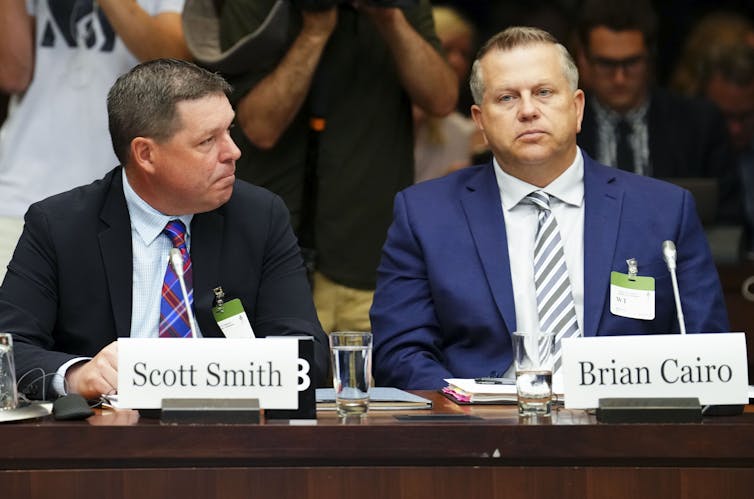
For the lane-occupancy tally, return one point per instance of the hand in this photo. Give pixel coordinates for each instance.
(97, 376)
(319, 23)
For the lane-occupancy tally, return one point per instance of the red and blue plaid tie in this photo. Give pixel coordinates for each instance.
(174, 321)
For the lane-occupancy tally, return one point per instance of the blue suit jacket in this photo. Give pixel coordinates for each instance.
(444, 304)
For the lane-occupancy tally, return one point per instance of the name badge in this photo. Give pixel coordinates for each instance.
(711, 367)
(632, 296)
(232, 319)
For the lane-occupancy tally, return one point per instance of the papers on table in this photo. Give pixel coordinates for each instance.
(468, 391)
(380, 399)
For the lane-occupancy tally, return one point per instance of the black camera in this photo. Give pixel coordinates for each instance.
(326, 4)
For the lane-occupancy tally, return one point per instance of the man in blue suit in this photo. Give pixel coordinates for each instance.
(459, 271)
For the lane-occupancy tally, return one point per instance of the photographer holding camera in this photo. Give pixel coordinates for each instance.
(328, 127)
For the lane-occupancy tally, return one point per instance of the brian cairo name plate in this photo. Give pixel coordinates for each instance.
(268, 369)
(711, 367)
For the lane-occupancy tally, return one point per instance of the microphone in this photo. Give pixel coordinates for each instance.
(669, 254)
(176, 261)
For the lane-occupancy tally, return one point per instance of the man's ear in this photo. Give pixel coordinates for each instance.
(142, 153)
(476, 115)
(578, 102)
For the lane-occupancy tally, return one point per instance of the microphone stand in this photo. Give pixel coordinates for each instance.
(669, 254)
(176, 260)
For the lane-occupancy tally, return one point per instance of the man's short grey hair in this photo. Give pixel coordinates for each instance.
(142, 102)
(520, 36)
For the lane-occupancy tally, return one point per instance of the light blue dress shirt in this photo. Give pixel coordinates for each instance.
(151, 250)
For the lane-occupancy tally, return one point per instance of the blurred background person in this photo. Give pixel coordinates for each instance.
(634, 124)
(629, 122)
(328, 127)
(729, 83)
(711, 36)
(445, 144)
(58, 58)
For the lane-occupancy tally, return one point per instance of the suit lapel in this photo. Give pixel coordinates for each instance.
(603, 198)
(206, 249)
(117, 253)
(484, 215)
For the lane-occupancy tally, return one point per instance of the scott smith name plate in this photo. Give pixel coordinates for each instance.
(268, 369)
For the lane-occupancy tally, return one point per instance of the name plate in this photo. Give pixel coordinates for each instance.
(267, 369)
(711, 367)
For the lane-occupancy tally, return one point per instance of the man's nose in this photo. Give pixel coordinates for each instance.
(527, 108)
(230, 150)
(619, 74)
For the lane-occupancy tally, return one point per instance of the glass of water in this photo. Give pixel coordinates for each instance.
(533, 354)
(8, 393)
(352, 371)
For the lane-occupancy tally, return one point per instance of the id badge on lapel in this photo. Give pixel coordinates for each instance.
(632, 295)
(231, 317)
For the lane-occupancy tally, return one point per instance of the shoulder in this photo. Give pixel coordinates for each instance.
(643, 189)
(441, 200)
(251, 200)
(79, 200)
(452, 183)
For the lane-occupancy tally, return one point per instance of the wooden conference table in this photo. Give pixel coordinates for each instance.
(117, 454)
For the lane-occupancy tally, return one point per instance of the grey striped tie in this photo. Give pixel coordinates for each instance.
(555, 305)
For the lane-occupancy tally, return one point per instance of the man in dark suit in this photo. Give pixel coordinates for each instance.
(90, 264)
(628, 122)
(460, 273)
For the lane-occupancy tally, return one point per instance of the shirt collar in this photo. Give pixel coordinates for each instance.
(148, 222)
(568, 187)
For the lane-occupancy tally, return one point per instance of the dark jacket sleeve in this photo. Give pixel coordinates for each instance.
(28, 306)
(284, 304)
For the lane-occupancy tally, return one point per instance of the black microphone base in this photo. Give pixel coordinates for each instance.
(649, 410)
(723, 410)
(212, 411)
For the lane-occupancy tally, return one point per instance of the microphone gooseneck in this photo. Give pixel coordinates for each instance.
(176, 261)
(669, 254)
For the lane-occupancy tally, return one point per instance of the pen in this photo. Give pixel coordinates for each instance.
(495, 381)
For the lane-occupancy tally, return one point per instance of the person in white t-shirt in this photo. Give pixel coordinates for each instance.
(445, 144)
(58, 58)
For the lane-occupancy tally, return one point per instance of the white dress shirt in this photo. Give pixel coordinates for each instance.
(521, 221)
(151, 251)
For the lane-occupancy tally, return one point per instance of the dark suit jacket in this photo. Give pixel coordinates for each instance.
(68, 289)
(444, 304)
(687, 138)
